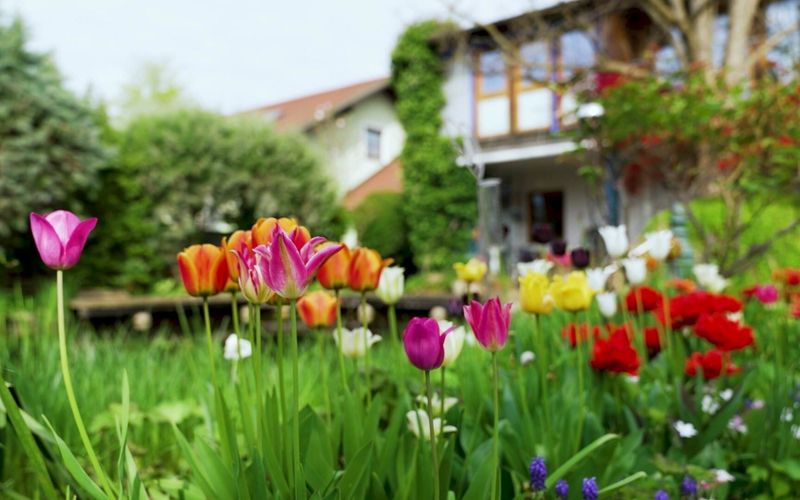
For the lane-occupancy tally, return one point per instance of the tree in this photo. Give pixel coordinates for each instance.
(153, 89)
(50, 148)
(191, 176)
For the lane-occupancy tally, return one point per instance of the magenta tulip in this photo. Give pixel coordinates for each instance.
(489, 322)
(252, 272)
(291, 269)
(424, 343)
(60, 237)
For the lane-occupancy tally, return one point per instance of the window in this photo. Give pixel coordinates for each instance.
(493, 105)
(373, 144)
(546, 207)
(534, 101)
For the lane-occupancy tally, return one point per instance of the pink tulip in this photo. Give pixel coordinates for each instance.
(60, 237)
(252, 275)
(767, 294)
(424, 343)
(291, 269)
(489, 322)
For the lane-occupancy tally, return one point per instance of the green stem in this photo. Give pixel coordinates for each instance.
(543, 365)
(295, 400)
(210, 343)
(434, 451)
(366, 346)
(324, 361)
(496, 431)
(281, 377)
(393, 323)
(73, 403)
(258, 369)
(443, 397)
(235, 314)
(342, 370)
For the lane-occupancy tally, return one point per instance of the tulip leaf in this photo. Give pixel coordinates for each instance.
(76, 471)
(575, 459)
(623, 482)
(355, 479)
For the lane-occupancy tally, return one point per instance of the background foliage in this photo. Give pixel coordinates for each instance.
(381, 225)
(439, 196)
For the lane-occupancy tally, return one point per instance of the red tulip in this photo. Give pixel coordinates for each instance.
(615, 354)
(60, 237)
(724, 333)
(317, 309)
(711, 363)
(489, 322)
(685, 309)
(649, 299)
(204, 270)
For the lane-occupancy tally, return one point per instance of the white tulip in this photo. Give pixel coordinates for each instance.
(659, 244)
(607, 302)
(709, 278)
(685, 429)
(598, 276)
(419, 424)
(436, 403)
(540, 266)
(615, 239)
(527, 358)
(354, 343)
(390, 286)
(453, 343)
(236, 348)
(635, 270)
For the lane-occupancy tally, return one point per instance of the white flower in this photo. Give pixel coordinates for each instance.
(659, 244)
(390, 286)
(685, 429)
(787, 415)
(726, 395)
(709, 278)
(453, 343)
(598, 276)
(607, 302)
(722, 476)
(527, 358)
(737, 424)
(354, 343)
(635, 270)
(615, 239)
(796, 431)
(709, 405)
(436, 403)
(540, 266)
(757, 404)
(633, 379)
(236, 348)
(419, 425)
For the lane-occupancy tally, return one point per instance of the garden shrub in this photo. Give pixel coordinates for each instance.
(381, 225)
(439, 197)
(188, 176)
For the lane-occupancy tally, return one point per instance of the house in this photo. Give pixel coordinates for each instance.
(511, 96)
(356, 131)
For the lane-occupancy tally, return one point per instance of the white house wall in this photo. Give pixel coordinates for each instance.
(457, 114)
(343, 141)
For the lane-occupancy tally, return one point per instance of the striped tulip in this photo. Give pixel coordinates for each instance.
(365, 269)
(60, 237)
(334, 272)
(237, 242)
(291, 268)
(252, 276)
(317, 309)
(263, 230)
(204, 270)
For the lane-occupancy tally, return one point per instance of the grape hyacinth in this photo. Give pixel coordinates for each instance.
(590, 490)
(661, 495)
(562, 489)
(688, 486)
(538, 471)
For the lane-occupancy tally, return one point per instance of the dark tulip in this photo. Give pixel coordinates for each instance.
(542, 232)
(558, 247)
(580, 258)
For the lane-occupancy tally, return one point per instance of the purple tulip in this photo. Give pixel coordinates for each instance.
(424, 343)
(580, 258)
(60, 237)
(558, 247)
(291, 269)
(489, 322)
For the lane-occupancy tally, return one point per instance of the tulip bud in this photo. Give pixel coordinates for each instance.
(607, 302)
(390, 285)
(558, 247)
(635, 270)
(580, 258)
(60, 237)
(615, 239)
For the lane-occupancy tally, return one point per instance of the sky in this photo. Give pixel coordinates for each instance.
(237, 54)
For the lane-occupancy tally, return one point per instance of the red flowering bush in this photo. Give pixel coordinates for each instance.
(711, 363)
(615, 354)
(684, 310)
(649, 298)
(725, 333)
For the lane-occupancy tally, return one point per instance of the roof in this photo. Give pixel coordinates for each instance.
(388, 179)
(302, 112)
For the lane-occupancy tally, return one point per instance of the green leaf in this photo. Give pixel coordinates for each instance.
(623, 482)
(356, 475)
(76, 471)
(575, 459)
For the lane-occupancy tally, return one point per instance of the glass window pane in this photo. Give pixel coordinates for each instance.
(536, 57)
(493, 72)
(577, 53)
(535, 109)
(493, 116)
(373, 143)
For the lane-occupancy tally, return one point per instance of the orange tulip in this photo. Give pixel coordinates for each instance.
(204, 269)
(365, 269)
(237, 241)
(317, 309)
(334, 273)
(262, 231)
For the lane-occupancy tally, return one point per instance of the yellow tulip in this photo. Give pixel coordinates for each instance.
(573, 293)
(534, 294)
(474, 270)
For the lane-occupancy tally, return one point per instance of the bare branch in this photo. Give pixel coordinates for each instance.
(759, 249)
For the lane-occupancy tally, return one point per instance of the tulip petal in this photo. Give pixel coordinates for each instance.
(64, 223)
(308, 247)
(422, 343)
(47, 241)
(320, 257)
(189, 274)
(77, 240)
(287, 271)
